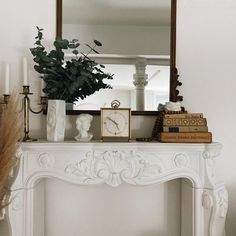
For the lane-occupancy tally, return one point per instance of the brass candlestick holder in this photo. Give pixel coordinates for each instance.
(27, 109)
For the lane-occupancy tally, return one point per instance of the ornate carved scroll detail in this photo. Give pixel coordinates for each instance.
(17, 202)
(222, 201)
(207, 200)
(114, 167)
(218, 199)
(46, 160)
(181, 160)
(215, 201)
(210, 155)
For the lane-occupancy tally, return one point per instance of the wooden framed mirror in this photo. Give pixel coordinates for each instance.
(152, 23)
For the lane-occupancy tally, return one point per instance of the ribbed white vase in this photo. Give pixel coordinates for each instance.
(56, 116)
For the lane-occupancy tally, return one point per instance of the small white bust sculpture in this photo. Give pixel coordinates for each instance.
(83, 123)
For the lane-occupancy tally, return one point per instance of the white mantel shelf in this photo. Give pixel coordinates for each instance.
(112, 163)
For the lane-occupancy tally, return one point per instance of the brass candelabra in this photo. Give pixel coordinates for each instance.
(27, 109)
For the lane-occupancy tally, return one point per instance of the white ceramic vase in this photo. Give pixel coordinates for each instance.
(56, 116)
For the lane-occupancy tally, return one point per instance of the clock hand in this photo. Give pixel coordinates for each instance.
(114, 122)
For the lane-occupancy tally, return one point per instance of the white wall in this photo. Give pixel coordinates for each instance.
(206, 61)
(205, 56)
(18, 21)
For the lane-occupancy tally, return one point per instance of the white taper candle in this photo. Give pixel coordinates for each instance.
(42, 87)
(7, 79)
(25, 72)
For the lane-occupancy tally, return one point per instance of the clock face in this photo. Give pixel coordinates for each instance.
(115, 123)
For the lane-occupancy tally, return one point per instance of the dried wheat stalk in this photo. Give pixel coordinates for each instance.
(10, 130)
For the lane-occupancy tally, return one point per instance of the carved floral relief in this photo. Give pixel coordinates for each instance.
(113, 168)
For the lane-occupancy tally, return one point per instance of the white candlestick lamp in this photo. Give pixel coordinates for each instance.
(42, 87)
(25, 72)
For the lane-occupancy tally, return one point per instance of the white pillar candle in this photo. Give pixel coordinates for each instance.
(42, 87)
(7, 79)
(25, 72)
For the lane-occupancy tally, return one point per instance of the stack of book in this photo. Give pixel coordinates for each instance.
(184, 128)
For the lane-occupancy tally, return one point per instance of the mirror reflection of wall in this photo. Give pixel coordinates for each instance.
(127, 39)
(133, 28)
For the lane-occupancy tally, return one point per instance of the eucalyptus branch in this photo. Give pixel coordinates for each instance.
(92, 49)
(76, 73)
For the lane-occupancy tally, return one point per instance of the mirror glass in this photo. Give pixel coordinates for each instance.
(136, 48)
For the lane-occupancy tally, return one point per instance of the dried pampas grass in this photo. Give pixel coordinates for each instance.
(10, 132)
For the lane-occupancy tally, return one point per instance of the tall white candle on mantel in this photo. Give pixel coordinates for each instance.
(25, 72)
(7, 79)
(42, 87)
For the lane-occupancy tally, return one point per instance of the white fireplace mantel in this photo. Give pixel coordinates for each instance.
(133, 163)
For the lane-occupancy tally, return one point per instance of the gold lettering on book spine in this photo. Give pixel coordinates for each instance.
(186, 137)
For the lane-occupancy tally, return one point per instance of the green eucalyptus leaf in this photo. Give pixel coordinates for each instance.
(74, 40)
(40, 35)
(38, 42)
(98, 70)
(73, 45)
(99, 44)
(53, 53)
(76, 52)
(61, 44)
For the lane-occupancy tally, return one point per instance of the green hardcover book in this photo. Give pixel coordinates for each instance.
(177, 129)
